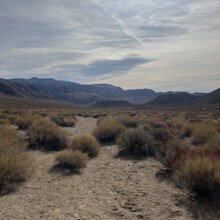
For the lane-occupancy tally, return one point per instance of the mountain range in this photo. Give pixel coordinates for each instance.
(99, 95)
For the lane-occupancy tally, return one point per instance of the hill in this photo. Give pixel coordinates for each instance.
(80, 94)
(212, 98)
(113, 104)
(171, 99)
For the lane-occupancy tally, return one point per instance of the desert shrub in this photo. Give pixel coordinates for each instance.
(86, 144)
(174, 152)
(46, 135)
(14, 169)
(108, 130)
(15, 166)
(161, 134)
(68, 121)
(214, 144)
(135, 142)
(200, 174)
(157, 124)
(98, 115)
(10, 141)
(128, 121)
(188, 130)
(203, 133)
(4, 122)
(72, 160)
(24, 122)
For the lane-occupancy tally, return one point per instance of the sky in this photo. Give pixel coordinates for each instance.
(161, 45)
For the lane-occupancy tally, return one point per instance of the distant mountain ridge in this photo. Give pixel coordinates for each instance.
(81, 94)
(172, 99)
(103, 95)
(113, 104)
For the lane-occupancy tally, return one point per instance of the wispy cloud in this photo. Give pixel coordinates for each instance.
(94, 41)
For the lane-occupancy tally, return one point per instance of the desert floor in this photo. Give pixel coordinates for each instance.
(108, 188)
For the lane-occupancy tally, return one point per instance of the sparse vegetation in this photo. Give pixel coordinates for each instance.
(24, 122)
(128, 121)
(203, 133)
(44, 134)
(86, 144)
(67, 121)
(4, 122)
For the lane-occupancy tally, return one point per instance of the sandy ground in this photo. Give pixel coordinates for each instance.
(108, 188)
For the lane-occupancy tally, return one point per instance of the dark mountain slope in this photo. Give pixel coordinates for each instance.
(87, 94)
(113, 104)
(172, 99)
(212, 98)
(23, 90)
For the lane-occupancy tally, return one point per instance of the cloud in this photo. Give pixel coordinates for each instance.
(112, 67)
(94, 41)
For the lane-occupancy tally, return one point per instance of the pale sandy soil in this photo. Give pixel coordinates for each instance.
(108, 188)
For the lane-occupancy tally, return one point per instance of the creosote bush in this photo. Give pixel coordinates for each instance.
(108, 130)
(71, 160)
(87, 144)
(135, 142)
(15, 166)
(46, 135)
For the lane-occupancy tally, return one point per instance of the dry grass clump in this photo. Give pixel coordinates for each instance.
(24, 122)
(173, 153)
(128, 121)
(203, 133)
(86, 144)
(46, 135)
(68, 121)
(15, 166)
(188, 130)
(108, 130)
(5, 122)
(135, 142)
(214, 144)
(161, 134)
(71, 160)
(200, 174)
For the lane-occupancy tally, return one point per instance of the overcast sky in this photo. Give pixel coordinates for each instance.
(157, 44)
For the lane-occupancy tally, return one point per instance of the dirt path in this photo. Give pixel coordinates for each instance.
(108, 188)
